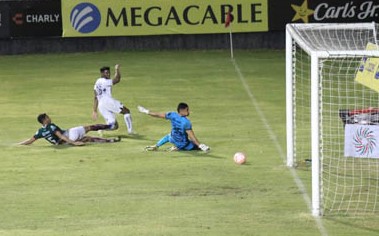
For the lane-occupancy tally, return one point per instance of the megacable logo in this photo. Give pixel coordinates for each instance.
(85, 17)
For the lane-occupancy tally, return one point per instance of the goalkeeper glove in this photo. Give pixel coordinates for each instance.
(143, 110)
(204, 147)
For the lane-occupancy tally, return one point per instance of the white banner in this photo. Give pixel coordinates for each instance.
(362, 141)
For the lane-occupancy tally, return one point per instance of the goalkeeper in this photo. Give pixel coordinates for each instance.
(182, 135)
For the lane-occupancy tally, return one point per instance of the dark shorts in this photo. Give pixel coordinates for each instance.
(190, 147)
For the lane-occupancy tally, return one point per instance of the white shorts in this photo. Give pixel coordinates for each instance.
(108, 108)
(76, 133)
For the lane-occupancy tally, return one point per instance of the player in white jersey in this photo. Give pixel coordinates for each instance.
(107, 105)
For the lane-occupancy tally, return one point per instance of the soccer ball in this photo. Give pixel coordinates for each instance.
(239, 158)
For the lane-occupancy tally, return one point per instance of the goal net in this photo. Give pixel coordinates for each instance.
(332, 73)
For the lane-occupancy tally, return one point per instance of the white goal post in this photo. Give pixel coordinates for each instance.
(328, 88)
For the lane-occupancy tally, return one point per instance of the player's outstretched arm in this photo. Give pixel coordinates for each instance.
(150, 113)
(95, 105)
(117, 74)
(28, 141)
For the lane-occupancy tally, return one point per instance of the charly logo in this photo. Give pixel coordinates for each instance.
(364, 141)
(85, 17)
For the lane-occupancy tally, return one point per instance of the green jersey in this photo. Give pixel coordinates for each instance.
(48, 132)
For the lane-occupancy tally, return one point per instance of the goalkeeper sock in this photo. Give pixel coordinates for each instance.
(163, 140)
(128, 122)
(99, 127)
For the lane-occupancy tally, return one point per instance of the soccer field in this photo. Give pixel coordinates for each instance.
(119, 189)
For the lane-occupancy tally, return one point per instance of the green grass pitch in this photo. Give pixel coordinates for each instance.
(118, 189)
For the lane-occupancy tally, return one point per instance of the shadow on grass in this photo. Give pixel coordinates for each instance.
(194, 153)
(201, 154)
(131, 137)
(63, 146)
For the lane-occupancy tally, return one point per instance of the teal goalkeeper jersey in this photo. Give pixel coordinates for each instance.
(48, 132)
(179, 127)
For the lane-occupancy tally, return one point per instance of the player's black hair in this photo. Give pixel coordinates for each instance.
(41, 117)
(182, 105)
(104, 68)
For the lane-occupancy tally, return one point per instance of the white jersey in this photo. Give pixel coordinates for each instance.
(108, 106)
(103, 88)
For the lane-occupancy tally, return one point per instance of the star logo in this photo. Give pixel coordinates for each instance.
(302, 12)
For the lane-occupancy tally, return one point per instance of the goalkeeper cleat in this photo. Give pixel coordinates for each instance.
(151, 148)
(173, 149)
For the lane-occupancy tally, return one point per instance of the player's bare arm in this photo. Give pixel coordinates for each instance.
(192, 137)
(28, 141)
(157, 114)
(117, 75)
(150, 113)
(95, 105)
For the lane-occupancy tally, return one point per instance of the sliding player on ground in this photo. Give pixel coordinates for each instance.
(182, 135)
(74, 136)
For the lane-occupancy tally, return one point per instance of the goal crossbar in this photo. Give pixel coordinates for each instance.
(293, 30)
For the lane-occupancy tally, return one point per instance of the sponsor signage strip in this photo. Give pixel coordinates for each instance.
(134, 17)
(321, 11)
(35, 18)
(4, 20)
(368, 71)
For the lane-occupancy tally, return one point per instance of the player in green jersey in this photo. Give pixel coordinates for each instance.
(74, 136)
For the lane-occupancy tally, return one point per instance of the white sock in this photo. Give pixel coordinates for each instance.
(128, 122)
